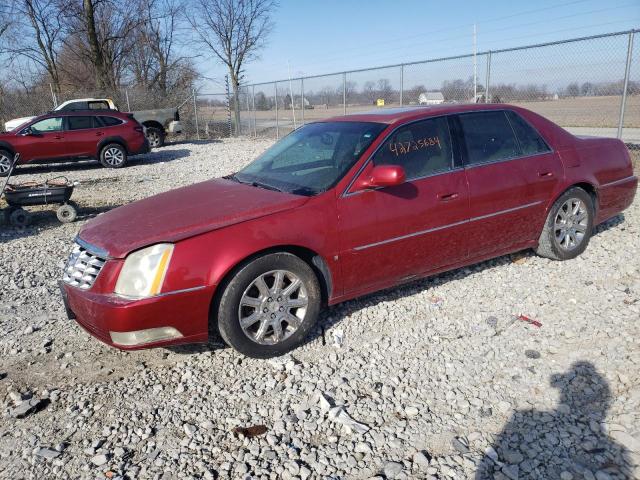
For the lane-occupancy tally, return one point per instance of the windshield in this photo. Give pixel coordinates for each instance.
(312, 158)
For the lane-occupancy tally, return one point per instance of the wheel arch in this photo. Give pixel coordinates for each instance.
(105, 141)
(315, 261)
(154, 124)
(7, 146)
(587, 186)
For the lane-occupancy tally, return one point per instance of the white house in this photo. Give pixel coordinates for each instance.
(431, 98)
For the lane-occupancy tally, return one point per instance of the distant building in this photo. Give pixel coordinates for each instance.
(431, 98)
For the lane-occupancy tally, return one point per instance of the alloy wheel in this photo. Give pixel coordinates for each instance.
(154, 139)
(113, 156)
(273, 307)
(571, 223)
(5, 164)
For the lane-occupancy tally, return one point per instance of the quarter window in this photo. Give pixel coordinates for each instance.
(47, 125)
(80, 123)
(110, 121)
(488, 137)
(530, 140)
(421, 148)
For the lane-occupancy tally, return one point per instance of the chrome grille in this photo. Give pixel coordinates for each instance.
(82, 268)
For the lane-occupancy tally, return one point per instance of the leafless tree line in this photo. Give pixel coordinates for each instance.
(106, 44)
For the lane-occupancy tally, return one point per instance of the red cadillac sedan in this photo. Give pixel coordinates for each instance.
(338, 209)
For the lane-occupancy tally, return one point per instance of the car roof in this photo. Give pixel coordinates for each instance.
(402, 114)
(102, 112)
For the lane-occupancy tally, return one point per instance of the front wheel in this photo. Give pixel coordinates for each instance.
(569, 225)
(269, 306)
(6, 159)
(113, 155)
(67, 212)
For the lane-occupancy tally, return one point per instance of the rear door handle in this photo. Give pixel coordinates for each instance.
(447, 197)
(99, 134)
(545, 174)
(57, 137)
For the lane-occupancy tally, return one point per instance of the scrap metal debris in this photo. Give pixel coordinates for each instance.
(524, 318)
(339, 415)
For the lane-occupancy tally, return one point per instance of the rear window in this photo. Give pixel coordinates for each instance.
(488, 136)
(80, 123)
(110, 121)
(531, 143)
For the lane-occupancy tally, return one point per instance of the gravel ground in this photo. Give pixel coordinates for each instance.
(433, 380)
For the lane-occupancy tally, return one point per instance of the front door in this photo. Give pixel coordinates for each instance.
(396, 233)
(512, 174)
(42, 140)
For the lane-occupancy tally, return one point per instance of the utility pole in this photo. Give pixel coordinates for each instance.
(475, 65)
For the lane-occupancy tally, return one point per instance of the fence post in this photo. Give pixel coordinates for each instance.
(226, 84)
(126, 94)
(487, 98)
(626, 84)
(195, 114)
(302, 98)
(401, 83)
(248, 109)
(275, 85)
(253, 103)
(344, 93)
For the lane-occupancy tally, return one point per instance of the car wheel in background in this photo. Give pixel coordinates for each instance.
(269, 305)
(6, 158)
(155, 137)
(113, 155)
(67, 212)
(568, 227)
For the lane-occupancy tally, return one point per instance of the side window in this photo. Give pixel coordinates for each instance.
(47, 125)
(100, 105)
(110, 121)
(530, 140)
(421, 148)
(79, 123)
(489, 136)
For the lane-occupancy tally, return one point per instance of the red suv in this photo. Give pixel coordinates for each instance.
(108, 136)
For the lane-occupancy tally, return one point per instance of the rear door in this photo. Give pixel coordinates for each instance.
(42, 140)
(393, 234)
(82, 133)
(512, 173)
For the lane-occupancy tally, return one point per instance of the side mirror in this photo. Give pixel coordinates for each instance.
(26, 132)
(382, 176)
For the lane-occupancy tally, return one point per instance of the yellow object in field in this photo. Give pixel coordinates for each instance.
(380, 102)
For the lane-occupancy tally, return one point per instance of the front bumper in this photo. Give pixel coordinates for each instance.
(186, 312)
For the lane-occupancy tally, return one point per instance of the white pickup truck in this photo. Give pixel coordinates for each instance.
(157, 123)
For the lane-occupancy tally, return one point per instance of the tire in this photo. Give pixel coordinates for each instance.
(155, 137)
(113, 155)
(19, 217)
(269, 306)
(566, 233)
(6, 159)
(67, 212)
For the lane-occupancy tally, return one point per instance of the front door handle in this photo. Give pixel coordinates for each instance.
(545, 174)
(57, 137)
(447, 197)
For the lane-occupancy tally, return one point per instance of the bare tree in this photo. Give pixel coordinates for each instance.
(38, 36)
(234, 31)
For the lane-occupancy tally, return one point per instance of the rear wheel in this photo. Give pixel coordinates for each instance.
(269, 306)
(155, 137)
(113, 155)
(6, 158)
(569, 225)
(19, 217)
(67, 213)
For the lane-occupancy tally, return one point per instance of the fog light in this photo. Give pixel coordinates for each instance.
(139, 337)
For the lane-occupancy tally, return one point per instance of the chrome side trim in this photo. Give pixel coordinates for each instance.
(616, 182)
(92, 249)
(442, 227)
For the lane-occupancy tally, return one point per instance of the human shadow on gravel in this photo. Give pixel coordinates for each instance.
(544, 444)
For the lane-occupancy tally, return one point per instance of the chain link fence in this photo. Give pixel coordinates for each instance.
(589, 85)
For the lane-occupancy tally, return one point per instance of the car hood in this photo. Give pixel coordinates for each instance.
(16, 122)
(183, 213)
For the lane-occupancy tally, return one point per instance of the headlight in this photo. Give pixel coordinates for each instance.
(143, 271)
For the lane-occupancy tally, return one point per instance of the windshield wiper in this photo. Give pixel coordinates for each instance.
(264, 185)
(306, 191)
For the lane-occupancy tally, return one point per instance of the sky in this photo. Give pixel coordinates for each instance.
(326, 36)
